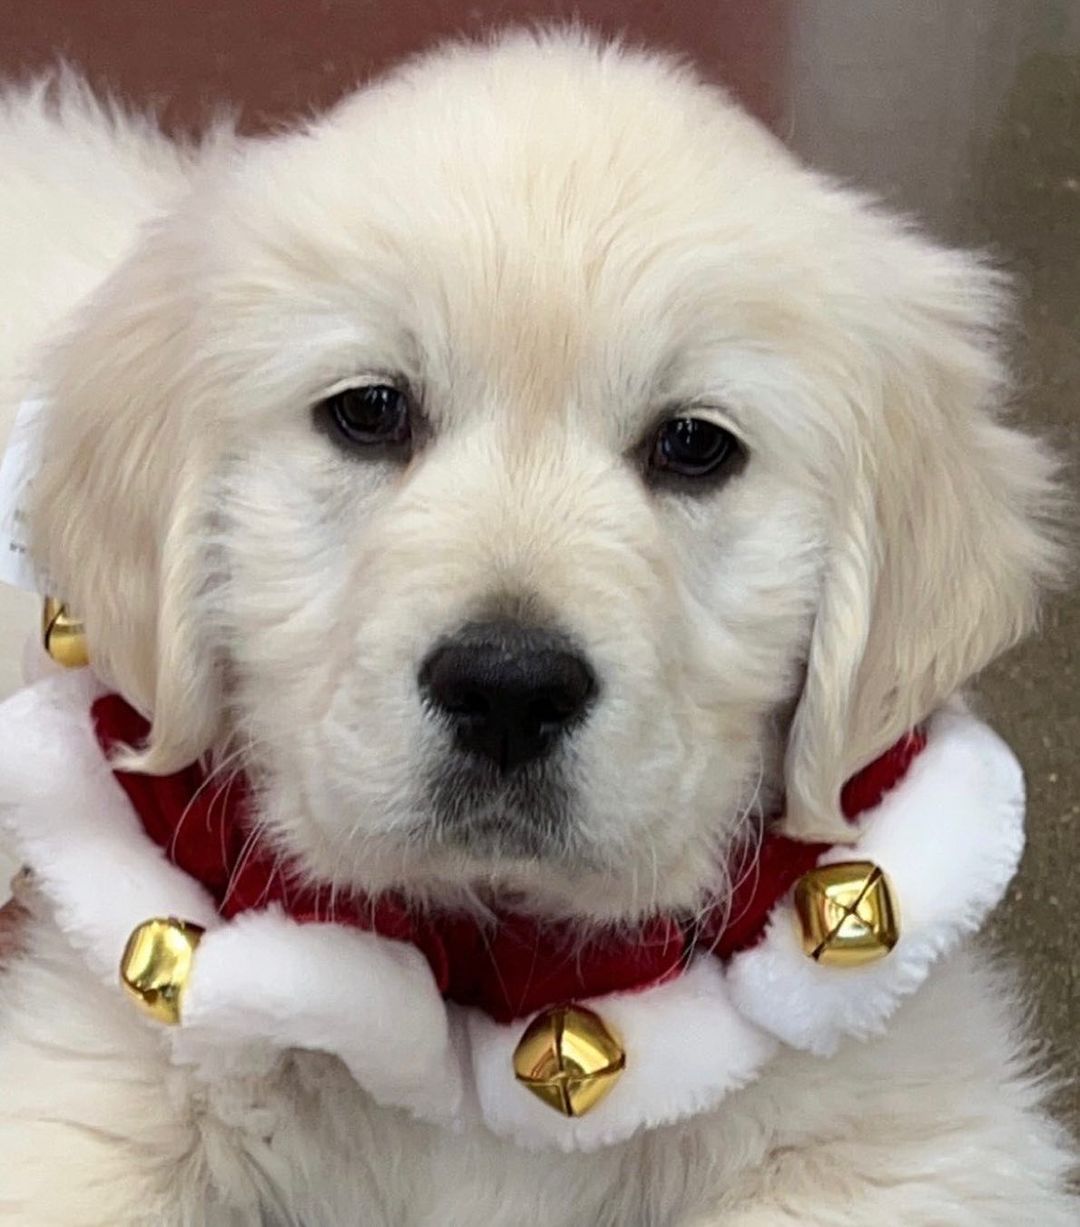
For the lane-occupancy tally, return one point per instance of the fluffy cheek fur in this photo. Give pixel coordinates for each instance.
(344, 573)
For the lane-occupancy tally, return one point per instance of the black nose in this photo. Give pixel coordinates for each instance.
(509, 691)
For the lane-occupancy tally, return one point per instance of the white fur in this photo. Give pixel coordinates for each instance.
(687, 1049)
(263, 982)
(370, 1001)
(262, 978)
(78, 182)
(100, 870)
(949, 840)
(554, 243)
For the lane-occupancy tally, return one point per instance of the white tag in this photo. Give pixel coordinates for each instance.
(17, 471)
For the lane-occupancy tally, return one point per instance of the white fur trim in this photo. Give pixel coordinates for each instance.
(73, 824)
(37, 664)
(686, 1048)
(950, 838)
(261, 977)
(370, 1001)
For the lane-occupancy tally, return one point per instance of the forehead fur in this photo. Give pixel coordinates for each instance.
(503, 219)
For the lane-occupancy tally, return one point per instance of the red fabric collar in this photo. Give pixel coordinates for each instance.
(509, 969)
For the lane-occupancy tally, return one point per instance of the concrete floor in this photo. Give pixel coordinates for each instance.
(966, 112)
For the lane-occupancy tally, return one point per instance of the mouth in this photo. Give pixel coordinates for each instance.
(527, 814)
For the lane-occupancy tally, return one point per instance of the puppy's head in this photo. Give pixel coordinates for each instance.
(529, 471)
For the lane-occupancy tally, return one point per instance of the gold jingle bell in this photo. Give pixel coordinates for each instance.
(156, 965)
(848, 915)
(63, 635)
(569, 1059)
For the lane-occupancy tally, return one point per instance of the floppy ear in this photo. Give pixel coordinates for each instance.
(117, 515)
(941, 539)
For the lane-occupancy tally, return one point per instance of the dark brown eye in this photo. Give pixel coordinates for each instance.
(368, 416)
(692, 447)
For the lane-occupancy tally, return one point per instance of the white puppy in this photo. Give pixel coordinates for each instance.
(542, 351)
